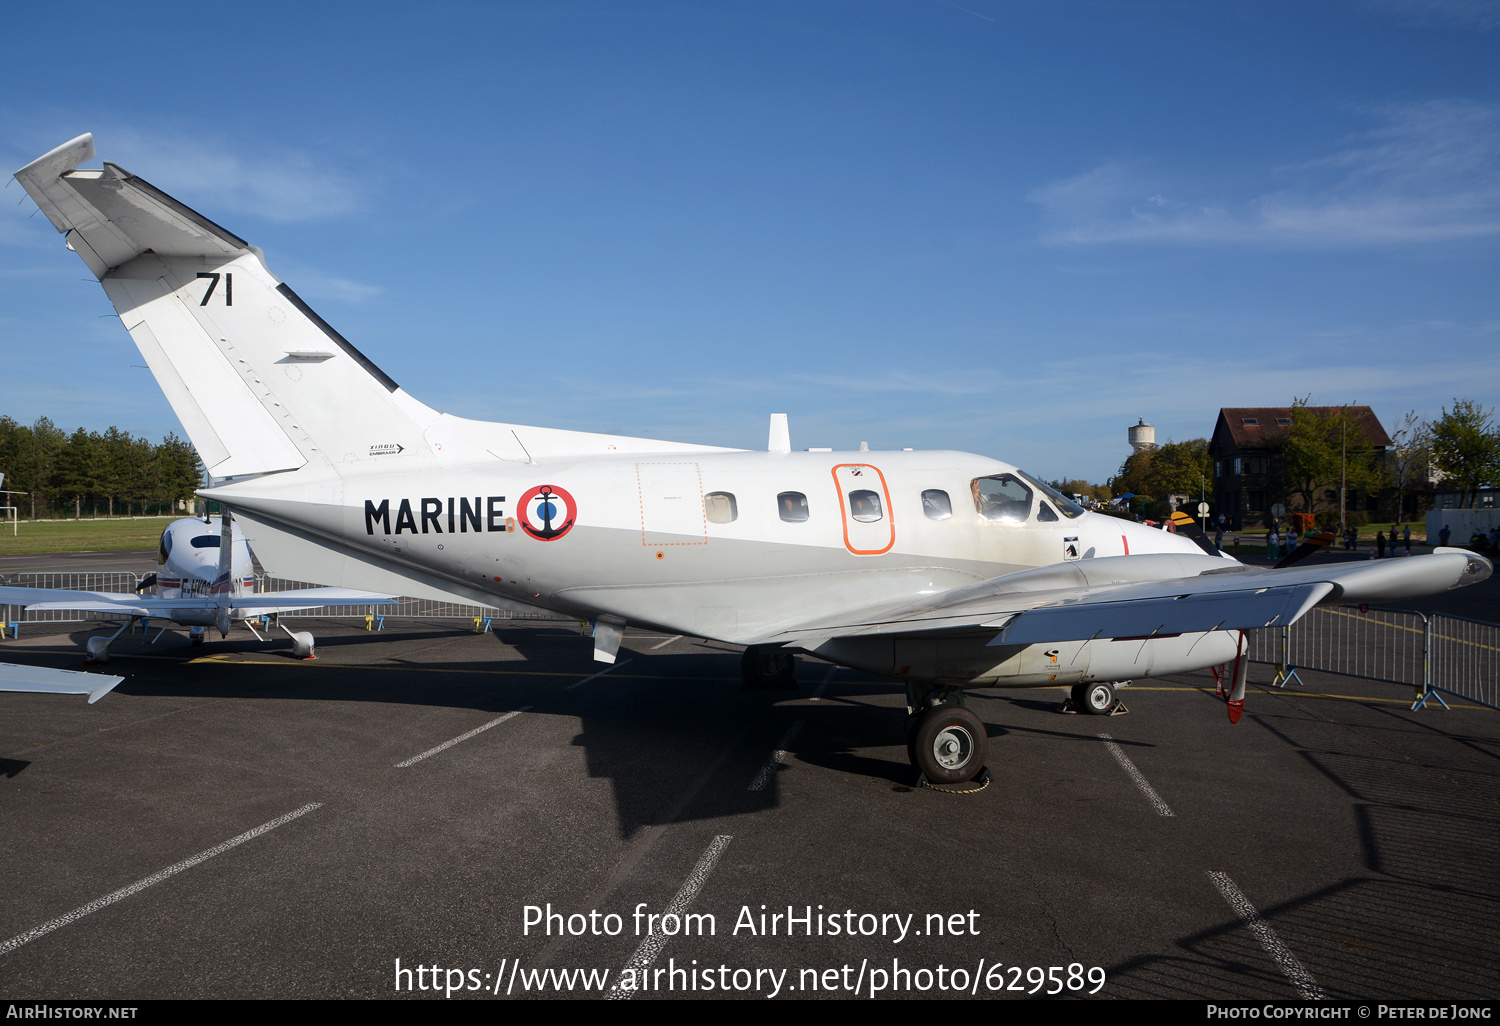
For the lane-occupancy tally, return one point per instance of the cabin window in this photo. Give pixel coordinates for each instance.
(206, 541)
(864, 506)
(1002, 497)
(1044, 513)
(721, 508)
(936, 505)
(165, 548)
(792, 506)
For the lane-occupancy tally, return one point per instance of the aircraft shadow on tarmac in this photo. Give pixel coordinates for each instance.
(1418, 922)
(652, 726)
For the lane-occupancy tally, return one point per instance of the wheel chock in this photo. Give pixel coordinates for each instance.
(974, 785)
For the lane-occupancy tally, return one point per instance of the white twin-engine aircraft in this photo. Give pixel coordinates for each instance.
(945, 569)
(207, 579)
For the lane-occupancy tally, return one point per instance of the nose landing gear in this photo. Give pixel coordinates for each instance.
(1096, 699)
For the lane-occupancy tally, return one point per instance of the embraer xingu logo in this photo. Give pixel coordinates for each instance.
(547, 512)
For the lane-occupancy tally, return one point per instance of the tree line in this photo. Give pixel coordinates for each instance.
(1324, 451)
(91, 473)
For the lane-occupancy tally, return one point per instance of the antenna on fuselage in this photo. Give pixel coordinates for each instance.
(781, 434)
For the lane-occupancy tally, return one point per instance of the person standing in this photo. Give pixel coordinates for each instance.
(1444, 535)
(1219, 537)
(1273, 545)
(1406, 537)
(1380, 544)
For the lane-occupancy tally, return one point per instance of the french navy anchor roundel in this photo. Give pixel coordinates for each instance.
(547, 512)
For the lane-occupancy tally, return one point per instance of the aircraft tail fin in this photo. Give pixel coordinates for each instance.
(260, 382)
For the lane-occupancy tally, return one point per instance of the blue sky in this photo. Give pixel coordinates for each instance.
(1006, 227)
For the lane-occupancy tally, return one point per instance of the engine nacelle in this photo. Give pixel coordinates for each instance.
(970, 659)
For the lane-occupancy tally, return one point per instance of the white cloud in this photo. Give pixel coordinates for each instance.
(205, 171)
(1426, 173)
(314, 285)
(277, 184)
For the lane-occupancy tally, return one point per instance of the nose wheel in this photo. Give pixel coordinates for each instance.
(948, 744)
(1096, 699)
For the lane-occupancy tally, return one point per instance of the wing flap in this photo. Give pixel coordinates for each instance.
(1154, 617)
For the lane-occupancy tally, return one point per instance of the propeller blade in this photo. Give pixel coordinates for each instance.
(1190, 528)
(1312, 543)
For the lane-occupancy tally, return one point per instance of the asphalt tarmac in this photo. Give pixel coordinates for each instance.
(416, 790)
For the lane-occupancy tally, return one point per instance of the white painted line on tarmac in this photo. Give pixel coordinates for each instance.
(1294, 970)
(664, 644)
(1135, 774)
(777, 758)
(644, 955)
(155, 878)
(463, 737)
(581, 683)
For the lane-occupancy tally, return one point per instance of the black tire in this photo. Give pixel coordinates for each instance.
(949, 745)
(1077, 695)
(768, 668)
(1099, 698)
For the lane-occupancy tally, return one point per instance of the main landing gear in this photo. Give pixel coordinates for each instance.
(945, 741)
(768, 668)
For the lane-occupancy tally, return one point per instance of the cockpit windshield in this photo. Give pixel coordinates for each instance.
(1065, 505)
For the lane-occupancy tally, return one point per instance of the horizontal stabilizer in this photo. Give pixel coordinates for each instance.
(47, 681)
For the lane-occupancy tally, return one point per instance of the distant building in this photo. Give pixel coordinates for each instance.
(1142, 436)
(1246, 450)
(1449, 499)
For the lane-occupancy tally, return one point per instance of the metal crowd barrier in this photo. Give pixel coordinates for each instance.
(1434, 654)
(125, 582)
(113, 581)
(409, 608)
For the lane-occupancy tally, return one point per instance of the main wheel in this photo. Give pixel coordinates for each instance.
(1079, 695)
(949, 744)
(768, 667)
(1099, 699)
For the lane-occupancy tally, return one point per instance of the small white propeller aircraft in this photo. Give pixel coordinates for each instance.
(946, 569)
(207, 579)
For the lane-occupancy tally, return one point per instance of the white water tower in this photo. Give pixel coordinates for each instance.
(1142, 436)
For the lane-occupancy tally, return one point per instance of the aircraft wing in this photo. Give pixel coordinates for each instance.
(308, 598)
(1149, 595)
(45, 680)
(125, 603)
(152, 605)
